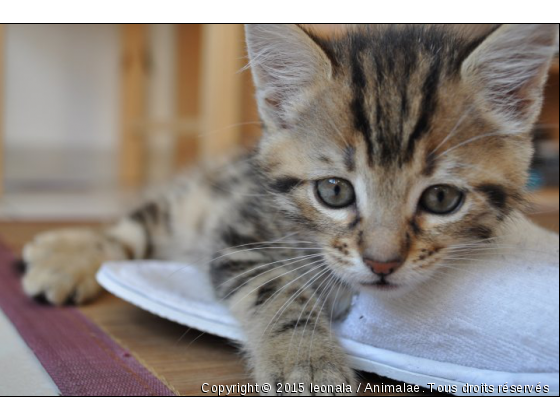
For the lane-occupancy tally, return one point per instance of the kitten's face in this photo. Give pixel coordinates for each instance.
(391, 163)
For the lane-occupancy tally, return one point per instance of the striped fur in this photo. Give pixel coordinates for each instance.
(393, 110)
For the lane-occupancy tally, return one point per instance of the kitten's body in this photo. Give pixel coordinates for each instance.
(391, 112)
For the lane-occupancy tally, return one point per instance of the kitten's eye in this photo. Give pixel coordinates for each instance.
(441, 199)
(335, 192)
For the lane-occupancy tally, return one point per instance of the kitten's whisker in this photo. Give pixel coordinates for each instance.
(493, 238)
(224, 298)
(275, 242)
(330, 286)
(268, 281)
(303, 310)
(317, 300)
(268, 247)
(452, 132)
(284, 307)
(264, 243)
(324, 268)
(465, 259)
(318, 265)
(294, 260)
(196, 338)
(493, 241)
(454, 267)
(475, 138)
(504, 248)
(183, 335)
(250, 250)
(334, 126)
(221, 301)
(334, 304)
(280, 240)
(302, 289)
(292, 298)
(493, 174)
(486, 254)
(489, 247)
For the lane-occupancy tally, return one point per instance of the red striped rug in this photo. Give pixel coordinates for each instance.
(80, 358)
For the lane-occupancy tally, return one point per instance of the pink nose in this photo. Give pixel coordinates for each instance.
(383, 268)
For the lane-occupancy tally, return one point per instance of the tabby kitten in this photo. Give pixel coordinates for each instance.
(383, 150)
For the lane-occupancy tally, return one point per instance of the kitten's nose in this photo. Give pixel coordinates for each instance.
(383, 268)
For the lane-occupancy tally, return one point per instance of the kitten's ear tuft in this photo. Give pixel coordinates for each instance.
(284, 60)
(509, 70)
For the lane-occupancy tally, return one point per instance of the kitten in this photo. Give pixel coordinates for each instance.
(384, 151)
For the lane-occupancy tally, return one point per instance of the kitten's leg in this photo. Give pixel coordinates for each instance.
(61, 264)
(287, 324)
(178, 225)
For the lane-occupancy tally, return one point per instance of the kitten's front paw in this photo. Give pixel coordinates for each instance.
(61, 265)
(323, 371)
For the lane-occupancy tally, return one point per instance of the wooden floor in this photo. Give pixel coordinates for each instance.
(184, 359)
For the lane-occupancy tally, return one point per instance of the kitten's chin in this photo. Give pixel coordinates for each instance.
(383, 289)
(363, 283)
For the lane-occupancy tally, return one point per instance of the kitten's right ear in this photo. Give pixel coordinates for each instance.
(508, 70)
(284, 60)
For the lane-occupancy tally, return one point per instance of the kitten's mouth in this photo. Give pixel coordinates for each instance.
(381, 284)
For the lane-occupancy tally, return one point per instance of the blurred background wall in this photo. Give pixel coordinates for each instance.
(61, 95)
(91, 116)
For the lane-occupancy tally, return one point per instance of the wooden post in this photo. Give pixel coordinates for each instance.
(161, 104)
(133, 103)
(189, 45)
(221, 89)
(550, 112)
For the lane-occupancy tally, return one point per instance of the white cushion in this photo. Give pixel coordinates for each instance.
(494, 321)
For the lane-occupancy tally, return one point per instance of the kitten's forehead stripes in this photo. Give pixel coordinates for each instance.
(361, 122)
(325, 159)
(381, 67)
(430, 165)
(350, 158)
(428, 107)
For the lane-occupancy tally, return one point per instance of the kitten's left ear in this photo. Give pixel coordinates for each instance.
(509, 70)
(285, 60)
